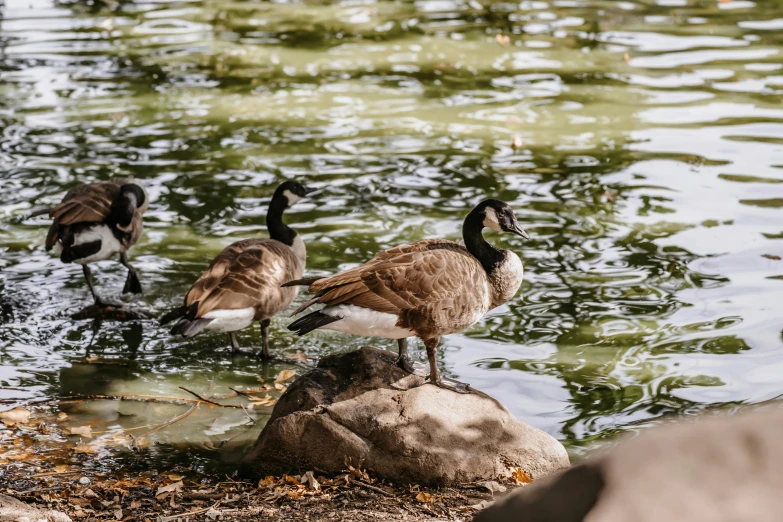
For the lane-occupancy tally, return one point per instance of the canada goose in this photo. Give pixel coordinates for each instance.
(243, 283)
(426, 289)
(95, 221)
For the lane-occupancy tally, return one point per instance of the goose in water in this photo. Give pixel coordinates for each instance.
(94, 222)
(243, 283)
(425, 289)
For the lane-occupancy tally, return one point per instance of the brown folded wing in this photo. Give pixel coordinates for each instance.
(247, 274)
(425, 283)
(90, 203)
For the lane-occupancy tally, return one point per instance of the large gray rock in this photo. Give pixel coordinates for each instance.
(716, 469)
(12, 510)
(361, 406)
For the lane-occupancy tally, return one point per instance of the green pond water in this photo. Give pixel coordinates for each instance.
(648, 170)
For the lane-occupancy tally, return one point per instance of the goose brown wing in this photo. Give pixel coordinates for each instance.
(422, 274)
(244, 275)
(354, 275)
(86, 203)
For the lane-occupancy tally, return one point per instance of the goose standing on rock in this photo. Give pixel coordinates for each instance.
(425, 289)
(243, 283)
(94, 222)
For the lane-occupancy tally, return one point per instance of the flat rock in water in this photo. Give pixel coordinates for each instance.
(12, 510)
(108, 313)
(359, 407)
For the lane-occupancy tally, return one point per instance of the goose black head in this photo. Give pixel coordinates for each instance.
(134, 194)
(290, 192)
(497, 215)
(132, 198)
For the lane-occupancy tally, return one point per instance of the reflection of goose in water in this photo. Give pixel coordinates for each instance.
(243, 283)
(426, 289)
(96, 221)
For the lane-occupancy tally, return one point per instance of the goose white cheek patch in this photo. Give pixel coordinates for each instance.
(491, 219)
(292, 198)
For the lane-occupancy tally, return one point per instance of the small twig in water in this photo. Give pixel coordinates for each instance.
(248, 416)
(168, 423)
(240, 392)
(208, 401)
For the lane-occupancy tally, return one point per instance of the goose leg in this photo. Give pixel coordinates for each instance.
(95, 296)
(264, 354)
(404, 362)
(435, 378)
(234, 344)
(132, 283)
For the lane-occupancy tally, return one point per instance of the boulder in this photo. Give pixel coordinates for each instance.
(359, 407)
(12, 510)
(715, 469)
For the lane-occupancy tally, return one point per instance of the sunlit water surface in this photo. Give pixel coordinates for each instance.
(647, 169)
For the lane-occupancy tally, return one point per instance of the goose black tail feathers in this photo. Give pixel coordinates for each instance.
(310, 322)
(301, 282)
(173, 314)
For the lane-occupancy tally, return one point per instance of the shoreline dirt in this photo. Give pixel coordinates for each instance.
(351, 496)
(47, 466)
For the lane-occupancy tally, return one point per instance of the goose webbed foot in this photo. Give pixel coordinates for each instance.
(265, 358)
(132, 283)
(404, 362)
(451, 384)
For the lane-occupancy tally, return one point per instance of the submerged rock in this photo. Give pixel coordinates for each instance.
(716, 469)
(359, 407)
(12, 510)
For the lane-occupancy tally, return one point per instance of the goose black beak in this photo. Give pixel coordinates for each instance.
(518, 231)
(310, 190)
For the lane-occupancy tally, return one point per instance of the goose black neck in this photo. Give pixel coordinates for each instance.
(274, 221)
(489, 256)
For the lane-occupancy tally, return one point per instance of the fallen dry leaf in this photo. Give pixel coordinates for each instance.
(18, 415)
(118, 514)
(213, 514)
(175, 486)
(610, 196)
(84, 431)
(492, 486)
(296, 495)
(771, 256)
(62, 415)
(174, 477)
(298, 356)
(517, 143)
(425, 498)
(502, 39)
(291, 480)
(61, 468)
(266, 482)
(520, 476)
(285, 375)
(480, 505)
(309, 478)
(627, 57)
